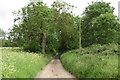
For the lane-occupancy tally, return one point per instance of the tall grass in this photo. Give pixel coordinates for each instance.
(20, 64)
(93, 62)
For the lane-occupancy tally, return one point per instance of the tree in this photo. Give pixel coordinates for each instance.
(98, 18)
(2, 37)
(33, 25)
(46, 29)
(105, 29)
(66, 27)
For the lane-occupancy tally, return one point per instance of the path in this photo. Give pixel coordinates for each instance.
(54, 70)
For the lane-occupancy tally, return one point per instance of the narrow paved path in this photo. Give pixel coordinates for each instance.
(54, 70)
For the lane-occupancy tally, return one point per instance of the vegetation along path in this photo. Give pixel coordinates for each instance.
(54, 70)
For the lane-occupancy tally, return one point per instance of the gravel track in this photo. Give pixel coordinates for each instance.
(54, 70)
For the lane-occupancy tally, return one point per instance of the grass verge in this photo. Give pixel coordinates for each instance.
(19, 64)
(93, 62)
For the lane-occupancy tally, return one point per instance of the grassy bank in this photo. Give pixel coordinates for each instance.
(20, 64)
(93, 62)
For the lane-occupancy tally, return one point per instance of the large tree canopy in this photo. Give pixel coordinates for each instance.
(33, 22)
(46, 29)
(99, 25)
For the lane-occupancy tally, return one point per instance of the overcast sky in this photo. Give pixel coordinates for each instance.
(8, 6)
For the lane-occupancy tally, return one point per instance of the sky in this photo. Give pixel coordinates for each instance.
(8, 6)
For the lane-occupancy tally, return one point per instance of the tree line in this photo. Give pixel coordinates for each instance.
(39, 28)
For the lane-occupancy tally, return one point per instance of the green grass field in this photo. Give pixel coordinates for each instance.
(19, 64)
(88, 64)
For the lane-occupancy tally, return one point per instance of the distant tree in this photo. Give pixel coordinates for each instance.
(2, 37)
(2, 33)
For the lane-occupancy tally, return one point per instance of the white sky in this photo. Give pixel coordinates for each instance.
(8, 6)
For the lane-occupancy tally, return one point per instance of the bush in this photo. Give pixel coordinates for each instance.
(98, 49)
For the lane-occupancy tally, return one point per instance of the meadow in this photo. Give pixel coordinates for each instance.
(93, 62)
(19, 64)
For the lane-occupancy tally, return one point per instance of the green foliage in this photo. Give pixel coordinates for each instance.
(32, 24)
(57, 23)
(97, 8)
(9, 43)
(105, 29)
(20, 64)
(99, 25)
(92, 62)
(63, 30)
(107, 49)
(52, 43)
(68, 33)
(65, 25)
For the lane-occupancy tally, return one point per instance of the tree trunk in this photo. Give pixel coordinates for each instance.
(43, 42)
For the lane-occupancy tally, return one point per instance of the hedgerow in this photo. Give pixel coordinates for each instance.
(96, 61)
